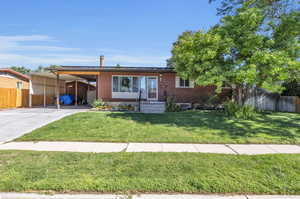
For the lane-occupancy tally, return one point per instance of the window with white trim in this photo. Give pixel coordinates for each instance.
(183, 83)
(129, 84)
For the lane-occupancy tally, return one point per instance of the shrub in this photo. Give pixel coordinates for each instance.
(128, 107)
(238, 111)
(171, 106)
(98, 103)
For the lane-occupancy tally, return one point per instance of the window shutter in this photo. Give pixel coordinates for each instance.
(192, 83)
(177, 82)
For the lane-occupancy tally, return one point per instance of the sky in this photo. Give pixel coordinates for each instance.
(77, 32)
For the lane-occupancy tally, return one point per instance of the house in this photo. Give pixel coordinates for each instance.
(119, 85)
(14, 89)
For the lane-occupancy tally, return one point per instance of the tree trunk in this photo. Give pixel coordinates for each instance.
(240, 95)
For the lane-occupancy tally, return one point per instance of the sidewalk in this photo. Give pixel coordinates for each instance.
(142, 196)
(100, 147)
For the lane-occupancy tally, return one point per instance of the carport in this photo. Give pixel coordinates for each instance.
(88, 76)
(46, 87)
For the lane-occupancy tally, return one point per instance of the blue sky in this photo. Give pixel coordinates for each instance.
(76, 32)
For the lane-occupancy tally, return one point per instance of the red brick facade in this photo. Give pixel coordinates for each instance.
(166, 87)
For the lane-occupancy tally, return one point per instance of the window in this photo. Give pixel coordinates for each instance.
(115, 84)
(135, 84)
(184, 83)
(126, 84)
(19, 85)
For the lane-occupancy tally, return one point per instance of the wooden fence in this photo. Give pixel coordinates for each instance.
(38, 100)
(271, 102)
(13, 98)
(297, 102)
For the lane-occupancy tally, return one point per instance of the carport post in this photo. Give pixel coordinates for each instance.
(76, 92)
(57, 91)
(44, 92)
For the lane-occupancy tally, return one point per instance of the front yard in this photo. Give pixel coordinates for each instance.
(181, 127)
(149, 172)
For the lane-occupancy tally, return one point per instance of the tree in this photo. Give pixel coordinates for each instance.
(43, 69)
(291, 89)
(21, 69)
(237, 53)
(272, 9)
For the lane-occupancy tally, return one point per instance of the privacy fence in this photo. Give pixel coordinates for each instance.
(13, 98)
(273, 102)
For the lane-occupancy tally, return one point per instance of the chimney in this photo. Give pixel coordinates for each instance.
(101, 61)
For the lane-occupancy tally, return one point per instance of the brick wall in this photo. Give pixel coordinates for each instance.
(166, 87)
(197, 94)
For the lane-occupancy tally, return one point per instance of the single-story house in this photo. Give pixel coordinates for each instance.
(14, 89)
(118, 84)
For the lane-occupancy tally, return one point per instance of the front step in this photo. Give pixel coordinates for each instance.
(153, 107)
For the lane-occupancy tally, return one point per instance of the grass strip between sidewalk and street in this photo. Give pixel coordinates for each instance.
(149, 172)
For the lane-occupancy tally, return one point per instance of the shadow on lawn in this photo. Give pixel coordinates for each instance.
(285, 126)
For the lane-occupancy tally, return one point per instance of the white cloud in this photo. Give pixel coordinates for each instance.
(14, 43)
(22, 50)
(7, 59)
(19, 38)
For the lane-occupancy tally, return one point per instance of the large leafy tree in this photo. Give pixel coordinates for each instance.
(271, 9)
(239, 53)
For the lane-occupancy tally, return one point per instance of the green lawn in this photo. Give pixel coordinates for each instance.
(149, 172)
(185, 127)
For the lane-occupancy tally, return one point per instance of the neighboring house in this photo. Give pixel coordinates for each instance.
(14, 89)
(116, 85)
(13, 79)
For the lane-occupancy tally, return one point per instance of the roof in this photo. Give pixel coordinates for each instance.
(115, 69)
(20, 75)
(53, 76)
(80, 81)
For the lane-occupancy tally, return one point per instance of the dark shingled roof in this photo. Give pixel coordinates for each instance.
(114, 69)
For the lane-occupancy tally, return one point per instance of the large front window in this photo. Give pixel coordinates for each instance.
(133, 87)
(126, 84)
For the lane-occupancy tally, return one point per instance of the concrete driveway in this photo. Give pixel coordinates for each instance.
(17, 122)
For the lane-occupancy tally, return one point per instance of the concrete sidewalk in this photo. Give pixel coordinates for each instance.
(99, 147)
(142, 196)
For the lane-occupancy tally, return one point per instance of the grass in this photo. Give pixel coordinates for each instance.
(182, 127)
(149, 172)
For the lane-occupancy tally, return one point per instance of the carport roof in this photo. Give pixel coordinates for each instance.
(53, 76)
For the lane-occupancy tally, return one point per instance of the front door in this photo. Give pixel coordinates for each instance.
(152, 88)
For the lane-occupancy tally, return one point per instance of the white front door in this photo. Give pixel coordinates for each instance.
(152, 88)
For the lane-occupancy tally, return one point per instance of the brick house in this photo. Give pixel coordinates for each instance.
(118, 84)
